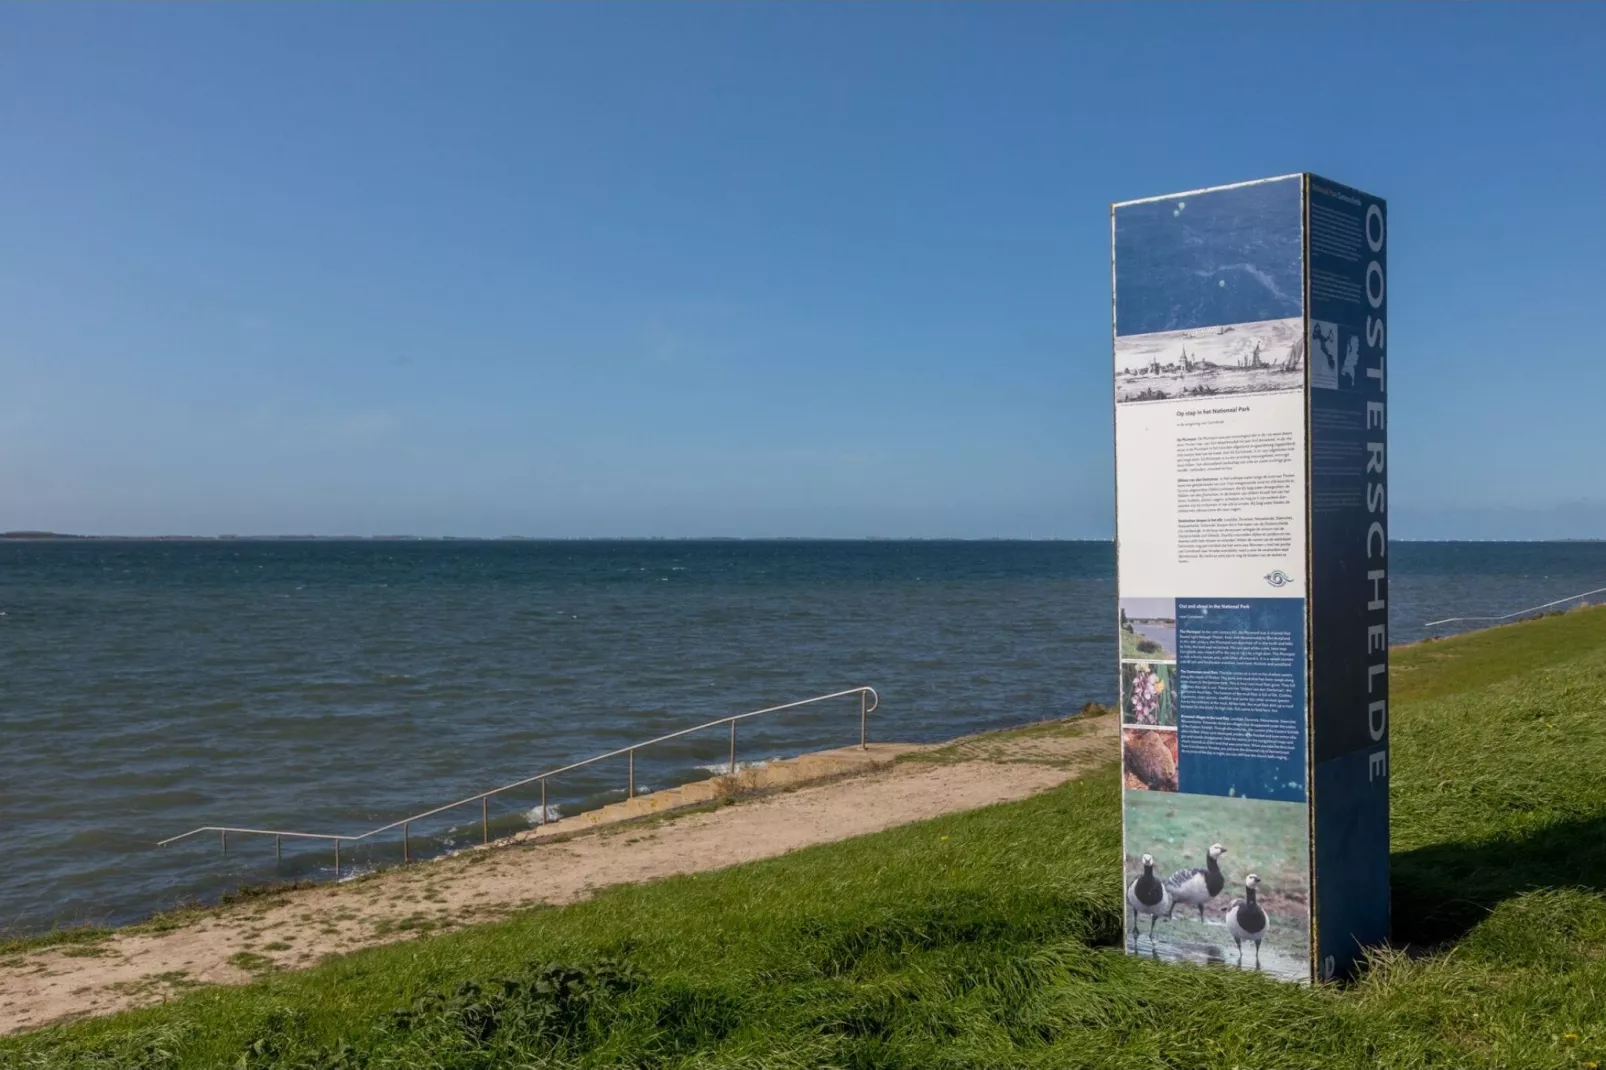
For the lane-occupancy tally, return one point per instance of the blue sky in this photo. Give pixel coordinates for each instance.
(744, 270)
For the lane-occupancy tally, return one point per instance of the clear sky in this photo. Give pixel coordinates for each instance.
(745, 270)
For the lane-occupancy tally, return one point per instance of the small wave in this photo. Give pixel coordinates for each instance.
(723, 768)
(533, 815)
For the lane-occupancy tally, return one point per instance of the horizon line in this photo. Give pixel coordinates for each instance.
(24, 535)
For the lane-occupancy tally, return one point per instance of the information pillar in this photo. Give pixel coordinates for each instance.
(1252, 544)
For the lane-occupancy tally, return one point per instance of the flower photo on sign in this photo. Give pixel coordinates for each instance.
(1148, 693)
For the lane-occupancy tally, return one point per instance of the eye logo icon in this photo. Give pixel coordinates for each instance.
(1278, 578)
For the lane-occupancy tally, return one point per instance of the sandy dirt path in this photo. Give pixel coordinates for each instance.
(231, 945)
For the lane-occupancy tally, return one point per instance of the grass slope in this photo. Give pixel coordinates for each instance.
(989, 939)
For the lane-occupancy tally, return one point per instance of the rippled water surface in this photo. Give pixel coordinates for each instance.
(149, 687)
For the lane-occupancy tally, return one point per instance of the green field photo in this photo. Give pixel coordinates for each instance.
(1269, 839)
(1134, 645)
(1148, 629)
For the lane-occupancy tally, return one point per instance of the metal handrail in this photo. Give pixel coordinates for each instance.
(1518, 612)
(868, 702)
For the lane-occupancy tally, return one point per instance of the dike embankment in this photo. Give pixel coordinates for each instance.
(757, 813)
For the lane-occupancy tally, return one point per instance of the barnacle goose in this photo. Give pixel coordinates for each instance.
(1147, 895)
(1246, 921)
(1197, 886)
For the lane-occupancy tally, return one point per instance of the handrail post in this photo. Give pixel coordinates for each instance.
(733, 747)
(485, 817)
(864, 720)
(278, 847)
(630, 789)
(225, 833)
(337, 858)
(407, 854)
(543, 802)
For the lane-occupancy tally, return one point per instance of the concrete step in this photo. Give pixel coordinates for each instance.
(780, 773)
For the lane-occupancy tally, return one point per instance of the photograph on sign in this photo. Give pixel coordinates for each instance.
(1149, 758)
(1149, 629)
(1148, 693)
(1202, 914)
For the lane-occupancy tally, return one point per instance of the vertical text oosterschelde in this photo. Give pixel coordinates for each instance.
(1377, 647)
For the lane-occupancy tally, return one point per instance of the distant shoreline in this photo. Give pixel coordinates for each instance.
(55, 536)
(52, 536)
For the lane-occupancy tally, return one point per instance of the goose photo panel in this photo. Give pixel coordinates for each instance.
(1190, 907)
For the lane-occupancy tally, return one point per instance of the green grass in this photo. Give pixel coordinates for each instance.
(250, 962)
(990, 939)
(76, 934)
(1010, 744)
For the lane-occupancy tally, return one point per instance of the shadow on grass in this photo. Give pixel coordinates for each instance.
(1442, 890)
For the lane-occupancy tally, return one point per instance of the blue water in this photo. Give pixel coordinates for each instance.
(148, 687)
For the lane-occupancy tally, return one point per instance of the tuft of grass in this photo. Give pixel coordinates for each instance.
(174, 980)
(419, 923)
(72, 936)
(251, 962)
(274, 893)
(185, 913)
(990, 938)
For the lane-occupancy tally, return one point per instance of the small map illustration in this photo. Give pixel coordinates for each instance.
(1324, 355)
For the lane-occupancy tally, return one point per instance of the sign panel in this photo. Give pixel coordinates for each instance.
(1348, 297)
(1243, 435)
